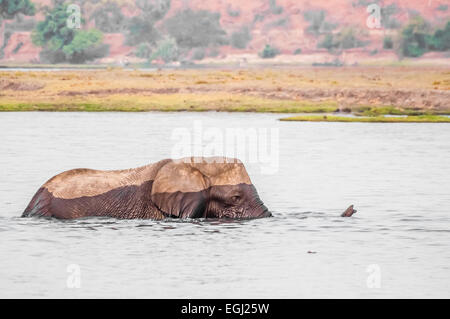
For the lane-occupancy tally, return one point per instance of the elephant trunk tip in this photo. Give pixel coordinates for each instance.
(265, 213)
(349, 212)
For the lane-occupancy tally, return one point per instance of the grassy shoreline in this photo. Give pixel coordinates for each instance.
(173, 103)
(362, 91)
(374, 119)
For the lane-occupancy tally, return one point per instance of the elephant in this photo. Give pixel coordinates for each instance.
(192, 187)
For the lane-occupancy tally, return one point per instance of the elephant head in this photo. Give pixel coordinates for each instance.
(206, 188)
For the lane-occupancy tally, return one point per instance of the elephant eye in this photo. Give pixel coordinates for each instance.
(235, 199)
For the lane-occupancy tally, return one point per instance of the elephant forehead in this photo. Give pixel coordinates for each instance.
(236, 175)
(194, 177)
(220, 170)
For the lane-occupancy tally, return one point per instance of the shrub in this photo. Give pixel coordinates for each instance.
(9, 9)
(363, 3)
(258, 17)
(417, 38)
(233, 13)
(86, 45)
(336, 63)
(20, 24)
(442, 7)
(269, 52)
(414, 38)
(140, 30)
(18, 47)
(240, 39)
(344, 39)
(167, 50)
(214, 52)
(274, 8)
(196, 29)
(50, 56)
(6, 36)
(387, 21)
(153, 10)
(440, 40)
(199, 54)
(317, 23)
(109, 18)
(143, 51)
(279, 23)
(388, 43)
(297, 51)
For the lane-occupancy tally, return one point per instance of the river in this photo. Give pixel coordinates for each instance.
(397, 245)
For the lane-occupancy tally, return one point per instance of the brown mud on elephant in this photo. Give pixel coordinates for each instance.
(192, 187)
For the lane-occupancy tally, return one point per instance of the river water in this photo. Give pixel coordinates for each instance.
(396, 175)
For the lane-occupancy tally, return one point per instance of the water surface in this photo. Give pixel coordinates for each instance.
(397, 175)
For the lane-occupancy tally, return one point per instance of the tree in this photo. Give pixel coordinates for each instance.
(342, 40)
(85, 46)
(417, 38)
(61, 43)
(109, 18)
(440, 41)
(153, 10)
(166, 49)
(414, 38)
(141, 29)
(196, 29)
(241, 38)
(317, 22)
(8, 10)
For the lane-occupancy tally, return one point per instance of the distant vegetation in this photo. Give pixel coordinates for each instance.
(196, 29)
(141, 29)
(18, 24)
(344, 39)
(63, 44)
(9, 10)
(388, 21)
(442, 7)
(187, 33)
(388, 43)
(241, 38)
(195, 34)
(418, 37)
(166, 49)
(109, 18)
(233, 12)
(274, 8)
(317, 22)
(269, 52)
(198, 54)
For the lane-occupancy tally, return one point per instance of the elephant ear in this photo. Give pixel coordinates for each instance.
(179, 190)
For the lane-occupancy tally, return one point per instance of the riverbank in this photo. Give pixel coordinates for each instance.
(366, 91)
(375, 119)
